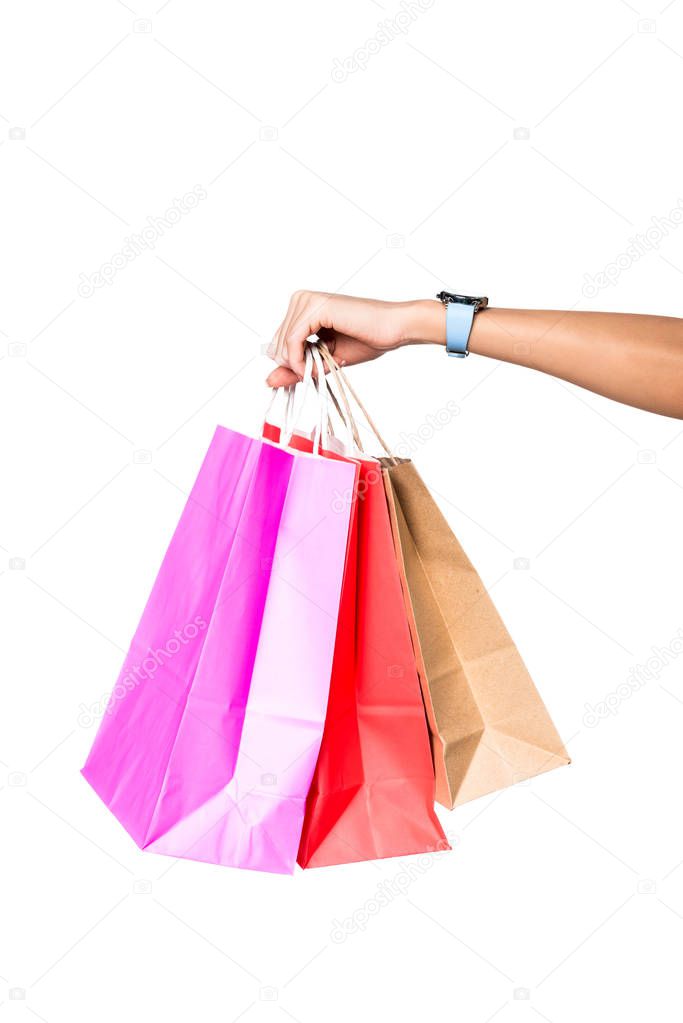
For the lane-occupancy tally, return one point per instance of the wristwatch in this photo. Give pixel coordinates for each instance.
(460, 310)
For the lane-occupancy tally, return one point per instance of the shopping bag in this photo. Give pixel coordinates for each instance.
(488, 725)
(211, 735)
(372, 794)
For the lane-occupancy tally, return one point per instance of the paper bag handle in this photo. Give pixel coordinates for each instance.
(345, 386)
(346, 416)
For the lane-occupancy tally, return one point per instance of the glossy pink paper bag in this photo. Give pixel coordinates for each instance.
(209, 742)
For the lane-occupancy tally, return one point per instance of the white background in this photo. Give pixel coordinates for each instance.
(563, 898)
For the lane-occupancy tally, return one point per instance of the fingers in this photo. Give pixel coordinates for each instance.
(309, 317)
(279, 349)
(278, 346)
(348, 351)
(282, 377)
(296, 343)
(303, 318)
(352, 340)
(366, 327)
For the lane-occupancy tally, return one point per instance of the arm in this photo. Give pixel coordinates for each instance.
(637, 360)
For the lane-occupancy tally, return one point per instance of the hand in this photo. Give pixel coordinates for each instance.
(355, 330)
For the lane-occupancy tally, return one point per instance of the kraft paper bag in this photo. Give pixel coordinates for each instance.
(489, 727)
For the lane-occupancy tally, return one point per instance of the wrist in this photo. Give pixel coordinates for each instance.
(424, 323)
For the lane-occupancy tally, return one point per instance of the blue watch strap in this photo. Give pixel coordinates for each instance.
(459, 317)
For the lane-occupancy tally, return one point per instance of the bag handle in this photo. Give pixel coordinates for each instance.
(299, 390)
(318, 354)
(347, 419)
(335, 401)
(322, 433)
(345, 386)
(296, 401)
(322, 382)
(289, 404)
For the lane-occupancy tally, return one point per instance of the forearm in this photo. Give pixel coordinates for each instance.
(637, 360)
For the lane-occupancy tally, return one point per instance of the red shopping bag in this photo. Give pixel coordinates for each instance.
(372, 794)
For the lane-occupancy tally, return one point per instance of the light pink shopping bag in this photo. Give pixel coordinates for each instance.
(211, 736)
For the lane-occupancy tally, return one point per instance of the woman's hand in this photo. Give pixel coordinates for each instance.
(635, 359)
(355, 330)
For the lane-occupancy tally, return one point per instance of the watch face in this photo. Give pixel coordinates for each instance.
(448, 296)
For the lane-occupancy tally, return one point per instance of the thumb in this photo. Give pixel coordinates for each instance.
(282, 377)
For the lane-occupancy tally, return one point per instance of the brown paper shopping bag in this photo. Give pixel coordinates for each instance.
(488, 724)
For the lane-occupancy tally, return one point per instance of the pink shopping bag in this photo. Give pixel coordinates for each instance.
(209, 742)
